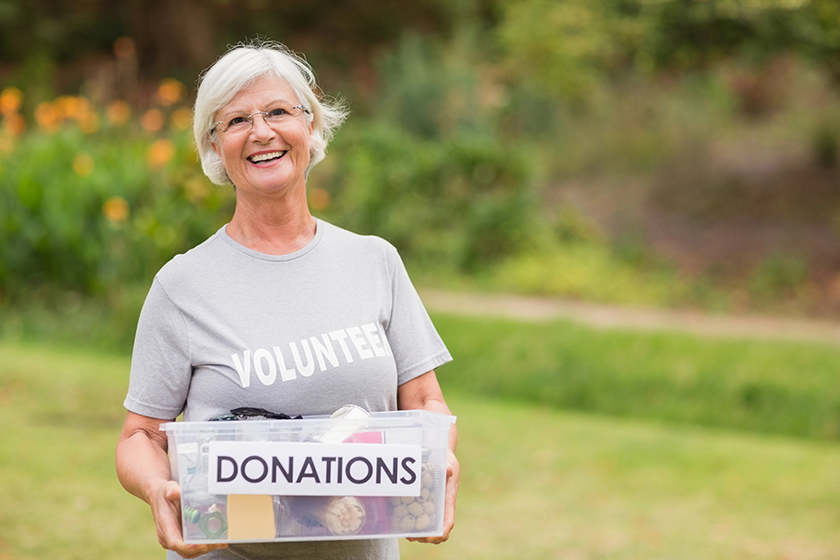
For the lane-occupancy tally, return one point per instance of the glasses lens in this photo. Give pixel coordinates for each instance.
(276, 116)
(237, 124)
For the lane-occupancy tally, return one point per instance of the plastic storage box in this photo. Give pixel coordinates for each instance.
(319, 478)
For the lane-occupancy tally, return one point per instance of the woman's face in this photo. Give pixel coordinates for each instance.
(264, 159)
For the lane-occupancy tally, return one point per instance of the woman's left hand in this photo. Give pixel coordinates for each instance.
(453, 477)
(423, 393)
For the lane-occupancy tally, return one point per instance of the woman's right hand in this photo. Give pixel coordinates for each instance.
(143, 469)
(166, 510)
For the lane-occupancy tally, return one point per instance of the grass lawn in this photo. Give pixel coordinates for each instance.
(537, 483)
(770, 386)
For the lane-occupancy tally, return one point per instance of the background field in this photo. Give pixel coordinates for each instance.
(538, 482)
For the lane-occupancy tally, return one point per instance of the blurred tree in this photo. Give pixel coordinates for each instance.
(172, 35)
(693, 34)
(181, 37)
(561, 46)
(567, 48)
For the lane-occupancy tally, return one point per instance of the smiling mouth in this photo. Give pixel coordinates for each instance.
(268, 156)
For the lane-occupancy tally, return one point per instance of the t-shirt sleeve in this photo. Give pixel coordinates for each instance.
(414, 341)
(160, 363)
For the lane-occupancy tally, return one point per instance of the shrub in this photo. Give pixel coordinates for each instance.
(460, 202)
(84, 206)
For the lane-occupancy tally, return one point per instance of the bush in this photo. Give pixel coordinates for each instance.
(84, 207)
(460, 202)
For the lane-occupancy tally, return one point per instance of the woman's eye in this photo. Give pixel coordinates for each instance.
(236, 120)
(278, 112)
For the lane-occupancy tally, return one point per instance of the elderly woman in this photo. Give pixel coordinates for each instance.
(236, 320)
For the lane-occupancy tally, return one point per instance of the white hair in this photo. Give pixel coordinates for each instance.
(239, 68)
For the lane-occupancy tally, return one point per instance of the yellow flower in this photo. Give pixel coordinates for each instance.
(319, 199)
(170, 91)
(181, 118)
(14, 124)
(48, 116)
(152, 120)
(11, 100)
(118, 112)
(83, 165)
(159, 153)
(115, 209)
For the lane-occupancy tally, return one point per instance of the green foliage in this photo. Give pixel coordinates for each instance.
(778, 276)
(573, 50)
(428, 172)
(85, 212)
(564, 47)
(459, 202)
(430, 89)
(588, 271)
(691, 35)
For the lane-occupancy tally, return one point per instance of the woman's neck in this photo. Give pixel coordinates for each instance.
(272, 229)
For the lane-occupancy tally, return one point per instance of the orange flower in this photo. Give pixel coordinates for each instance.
(83, 165)
(319, 199)
(152, 120)
(181, 118)
(11, 100)
(14, 124)
(170, 91)
(118, 112)
(115, 209)
(159, 153)
(48, 116)
(72, 107)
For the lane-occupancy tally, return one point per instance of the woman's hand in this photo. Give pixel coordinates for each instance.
(166, 510)
(143, 469)
(423, 393)
(453, 476)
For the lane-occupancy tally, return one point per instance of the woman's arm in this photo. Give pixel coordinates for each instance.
(143, 470)
(423, 393)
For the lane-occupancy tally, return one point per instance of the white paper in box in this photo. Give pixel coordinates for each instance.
(285, 480)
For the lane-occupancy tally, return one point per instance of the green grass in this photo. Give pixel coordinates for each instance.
(61, 412)
(766, 386)
(537, 482)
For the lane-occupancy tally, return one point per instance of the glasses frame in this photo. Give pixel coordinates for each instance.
(250, 119)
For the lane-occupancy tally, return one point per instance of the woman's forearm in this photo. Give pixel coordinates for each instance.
(141, 460)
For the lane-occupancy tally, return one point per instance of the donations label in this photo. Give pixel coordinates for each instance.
(314, 469)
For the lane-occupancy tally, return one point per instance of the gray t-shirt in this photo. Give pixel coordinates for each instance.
(335, 323)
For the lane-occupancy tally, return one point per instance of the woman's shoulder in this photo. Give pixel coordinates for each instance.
(345, 239)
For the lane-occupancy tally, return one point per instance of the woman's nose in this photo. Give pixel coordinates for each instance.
(260, 127)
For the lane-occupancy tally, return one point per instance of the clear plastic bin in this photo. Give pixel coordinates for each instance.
(319, 478)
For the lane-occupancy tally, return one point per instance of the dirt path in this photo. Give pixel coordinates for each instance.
(611, 317)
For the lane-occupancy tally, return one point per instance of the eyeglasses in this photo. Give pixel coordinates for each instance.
(240, 123)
